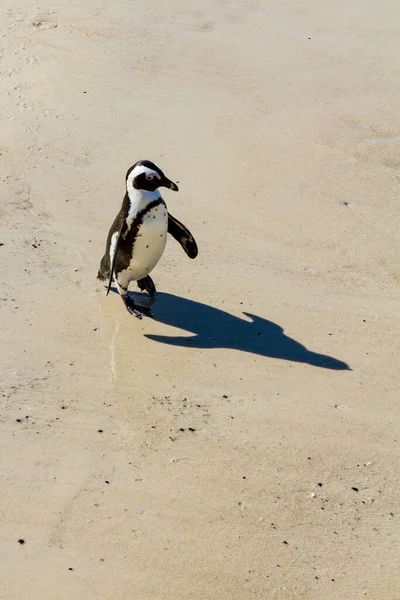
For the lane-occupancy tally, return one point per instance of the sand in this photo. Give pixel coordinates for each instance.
(243, 444)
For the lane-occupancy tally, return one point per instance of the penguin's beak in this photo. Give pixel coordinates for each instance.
(169, 184)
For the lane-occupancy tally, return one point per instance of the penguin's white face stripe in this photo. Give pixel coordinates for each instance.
(141, 169)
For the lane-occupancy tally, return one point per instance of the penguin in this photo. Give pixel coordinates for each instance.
(138, 235)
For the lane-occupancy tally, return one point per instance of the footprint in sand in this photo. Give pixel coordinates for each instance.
(45, 21)
(32, 60)
(32, 128)
(35, 149)
(368, 144)
(382, 149)
(18, 193)
(26, 105)
(43, 25)
(8, 72)
(5, 114)
(207, 27)
(24, 45)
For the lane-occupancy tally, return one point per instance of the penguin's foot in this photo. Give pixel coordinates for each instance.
(147, 284)
(135, 309)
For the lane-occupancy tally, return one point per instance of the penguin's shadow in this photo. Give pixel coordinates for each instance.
(215, 328)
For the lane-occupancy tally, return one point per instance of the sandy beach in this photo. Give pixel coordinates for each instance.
(244, 443)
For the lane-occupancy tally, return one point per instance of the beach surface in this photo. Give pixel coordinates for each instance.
(244, 443)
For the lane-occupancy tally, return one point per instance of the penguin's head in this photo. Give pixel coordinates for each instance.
(147, 176)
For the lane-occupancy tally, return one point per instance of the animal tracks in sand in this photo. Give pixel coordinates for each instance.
(26, 105)
(32, 60)
(21, 95)
(32, 127)
(17, 193)
(44, 21)
(34, 149)
(43, 24)
(370, 146)
(382, 149)
(5, 114)
(8, 72)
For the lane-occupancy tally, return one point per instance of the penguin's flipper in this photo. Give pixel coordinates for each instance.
(183, 236)
(104, 267)
(114, 256)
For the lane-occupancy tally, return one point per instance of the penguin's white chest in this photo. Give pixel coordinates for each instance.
(149, 243)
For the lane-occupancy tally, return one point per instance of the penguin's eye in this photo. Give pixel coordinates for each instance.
(149, 176)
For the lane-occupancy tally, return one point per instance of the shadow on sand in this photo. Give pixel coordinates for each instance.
(214, 328)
